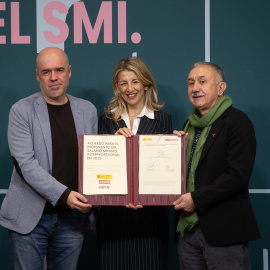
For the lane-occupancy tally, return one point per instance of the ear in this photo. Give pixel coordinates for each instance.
(221, 88)
(69, 71)
(37, 75)
(145, 87)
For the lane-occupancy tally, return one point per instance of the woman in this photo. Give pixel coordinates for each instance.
(133, 237)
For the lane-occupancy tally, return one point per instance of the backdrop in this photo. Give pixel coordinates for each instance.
(170, 36)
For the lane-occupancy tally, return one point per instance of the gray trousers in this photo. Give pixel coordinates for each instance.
(195, 253)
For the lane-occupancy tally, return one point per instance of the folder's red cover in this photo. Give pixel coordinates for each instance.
(133, 196)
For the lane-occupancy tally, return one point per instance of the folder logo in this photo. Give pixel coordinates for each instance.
(147, 139)
(104, 176)
(104, 181)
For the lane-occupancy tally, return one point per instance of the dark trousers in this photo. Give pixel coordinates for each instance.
(195, 253)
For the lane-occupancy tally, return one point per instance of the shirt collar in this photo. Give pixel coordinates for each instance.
(145, 112)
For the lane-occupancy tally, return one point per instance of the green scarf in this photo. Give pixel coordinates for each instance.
(187, 220)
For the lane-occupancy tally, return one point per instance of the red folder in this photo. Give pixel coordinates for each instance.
(133, 196)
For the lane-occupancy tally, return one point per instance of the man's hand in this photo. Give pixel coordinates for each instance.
(180, 134)
(185, 202)
(77, 201)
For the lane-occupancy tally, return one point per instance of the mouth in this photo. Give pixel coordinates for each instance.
(55, 86)
(131, 96)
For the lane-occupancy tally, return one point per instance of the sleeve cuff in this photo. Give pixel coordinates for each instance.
(63, 199)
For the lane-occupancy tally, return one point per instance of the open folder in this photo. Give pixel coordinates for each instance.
(142, 169)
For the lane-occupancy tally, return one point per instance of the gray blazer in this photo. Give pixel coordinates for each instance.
(29, 138)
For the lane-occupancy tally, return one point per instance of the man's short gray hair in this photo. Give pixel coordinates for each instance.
(215, 67)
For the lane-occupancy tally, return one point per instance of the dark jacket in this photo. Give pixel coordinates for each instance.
(222, 177)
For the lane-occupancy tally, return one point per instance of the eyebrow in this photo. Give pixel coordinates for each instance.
(124, 80)
(50, 69)
(46, 69)
(200, 77)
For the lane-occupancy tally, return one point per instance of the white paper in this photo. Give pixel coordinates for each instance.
(104, 165)
(159, 164)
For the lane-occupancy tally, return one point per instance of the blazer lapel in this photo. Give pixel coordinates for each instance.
(44, 120)
(77, 116)
(213, 134)
(146, 126)
(113, 127)
(121, 124)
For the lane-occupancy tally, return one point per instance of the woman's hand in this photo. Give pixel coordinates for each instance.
(134, 207)
(125, 132)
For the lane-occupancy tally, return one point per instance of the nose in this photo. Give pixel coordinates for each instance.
(53, 76)
(195, 87)
(129, 86)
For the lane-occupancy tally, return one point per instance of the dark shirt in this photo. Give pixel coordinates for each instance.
(198, 132)
(64, 152)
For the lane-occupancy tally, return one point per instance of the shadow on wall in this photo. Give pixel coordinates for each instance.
(6, 164)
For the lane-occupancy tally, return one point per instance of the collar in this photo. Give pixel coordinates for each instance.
(145, 112)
